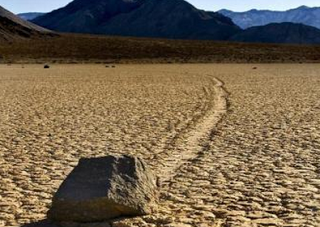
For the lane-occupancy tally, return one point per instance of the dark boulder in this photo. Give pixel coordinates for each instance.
(100, 189)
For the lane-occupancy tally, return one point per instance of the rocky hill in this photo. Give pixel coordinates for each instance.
(280, 33)
(12, 27)
(140, 18)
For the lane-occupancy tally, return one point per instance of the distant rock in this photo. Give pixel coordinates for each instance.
(280, 33)
(304, 15)
(174, 19)
(29, 16)
(99, 189)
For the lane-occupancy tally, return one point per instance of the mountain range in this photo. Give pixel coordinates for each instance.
(304, 15)
(171, 19)
(140, 18)
(12, 27)
(29, 16)
(162, 19)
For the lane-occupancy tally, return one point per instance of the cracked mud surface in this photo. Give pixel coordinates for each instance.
(259, 166)
(51, 118)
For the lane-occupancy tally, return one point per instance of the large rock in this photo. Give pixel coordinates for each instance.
(100, 189)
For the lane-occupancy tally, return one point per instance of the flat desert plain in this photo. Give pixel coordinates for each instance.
(232, 144)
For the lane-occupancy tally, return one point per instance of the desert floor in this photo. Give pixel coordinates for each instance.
(233, 145)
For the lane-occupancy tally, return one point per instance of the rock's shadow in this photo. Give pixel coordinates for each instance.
(42, 223)
(48, 223)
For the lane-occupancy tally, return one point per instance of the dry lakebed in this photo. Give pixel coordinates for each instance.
(233, 144)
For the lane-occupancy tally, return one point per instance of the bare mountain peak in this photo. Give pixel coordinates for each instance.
(303, 7)
(143, 18)
(303, 14)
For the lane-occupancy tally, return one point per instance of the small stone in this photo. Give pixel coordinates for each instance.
(220, 213)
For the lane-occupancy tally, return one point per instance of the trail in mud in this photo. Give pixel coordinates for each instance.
(188, 146)
(176, 210)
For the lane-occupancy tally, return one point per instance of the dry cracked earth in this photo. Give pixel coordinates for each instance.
(234, 145)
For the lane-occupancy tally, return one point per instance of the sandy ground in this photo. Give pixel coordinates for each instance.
(233, 145)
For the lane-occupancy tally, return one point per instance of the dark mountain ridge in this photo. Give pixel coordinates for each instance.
(141, 18)
(174, 19)
(280, 33)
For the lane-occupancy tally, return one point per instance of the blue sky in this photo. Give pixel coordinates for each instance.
(18, 6)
